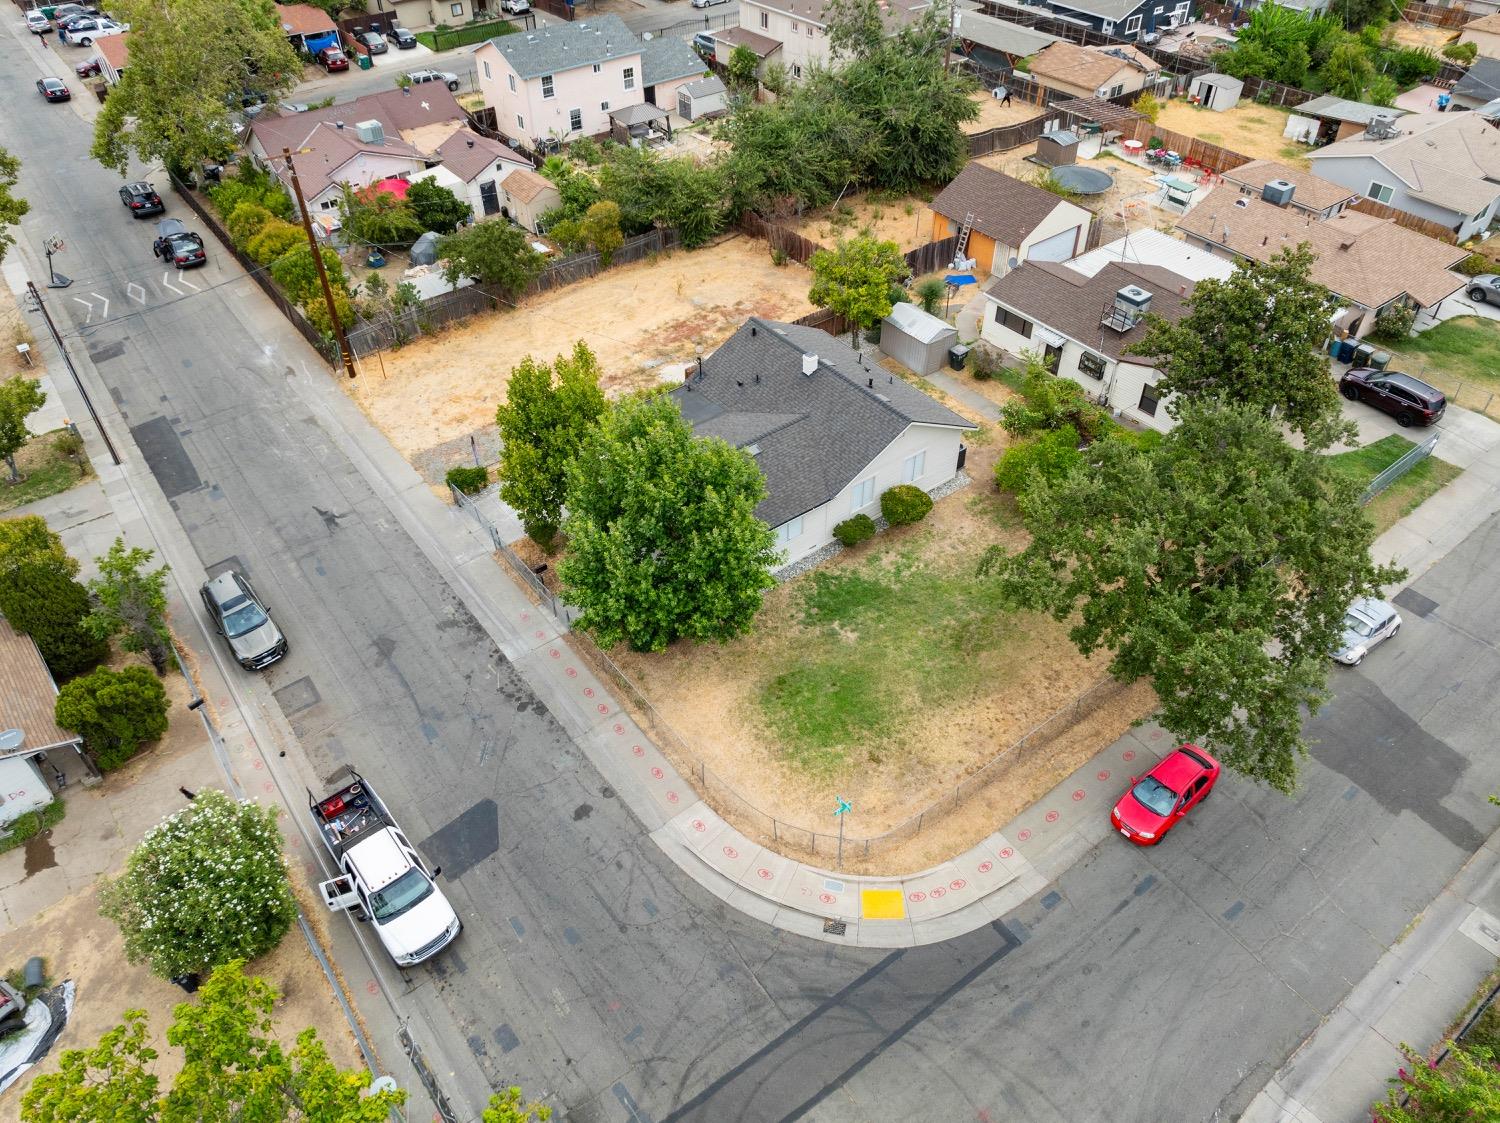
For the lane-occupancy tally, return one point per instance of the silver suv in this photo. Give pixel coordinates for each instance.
(446, 77)
(240, 616)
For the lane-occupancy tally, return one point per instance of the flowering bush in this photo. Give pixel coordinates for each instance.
(205, 886)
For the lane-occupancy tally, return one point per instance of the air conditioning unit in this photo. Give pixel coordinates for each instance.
(369, 132)
(1278, 191)
(1132, 302)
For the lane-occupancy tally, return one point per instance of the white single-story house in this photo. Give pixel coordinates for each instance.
(479, 164)
(830, 430)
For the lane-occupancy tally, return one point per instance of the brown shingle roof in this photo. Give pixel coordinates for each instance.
(1004, 208)
(525, 185)
(1312, 191)
(466, 154)
(327, 150)
(303, 19)
(1072, 303)
(1368, 260)
(762, 45)
(1090, 67)
(27, 694)
(1490, 23)
(429, 104)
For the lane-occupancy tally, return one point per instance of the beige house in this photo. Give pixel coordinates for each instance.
(1484, 33)
(1006, 219)
(1094, 71)
(800, 27)
(526, 196)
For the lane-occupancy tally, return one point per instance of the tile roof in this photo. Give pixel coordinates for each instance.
(1004, 208)
(1073, 303)
(27, 694)
(397, 111)
(815, 435)
(1368, 260)
(554, 48)
(1443, 158)
(665, 57)
(1313, 192)
(304, 19)
(1091, 67)
(762, 45)
(526, 185)
(467, 153)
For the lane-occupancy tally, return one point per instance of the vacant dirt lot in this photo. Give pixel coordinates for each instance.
(635, 317)
(1248, 128)
(993, 113)
(904, 220)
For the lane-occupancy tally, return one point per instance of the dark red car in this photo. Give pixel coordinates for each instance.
(1409, 400)
(332, 58)
(1157, 801)
(87, 69)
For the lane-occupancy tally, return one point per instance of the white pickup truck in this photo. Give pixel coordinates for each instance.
(381, 876)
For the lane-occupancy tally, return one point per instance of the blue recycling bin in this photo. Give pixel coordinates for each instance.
(1345, 352)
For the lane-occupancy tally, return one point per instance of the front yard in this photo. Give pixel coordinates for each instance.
(1409, 492)
(1461, 357)
(48, 464)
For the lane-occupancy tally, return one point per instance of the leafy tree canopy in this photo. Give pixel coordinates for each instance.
(378, 217)
(40, 599)
(131, 602)
(1217, 565)
(855, 280)
(191, 64)
(12, 208)
(29, 539)
(493, 253)
(114, 712)
(20, 397)
(436, 207)
(1255, 338)
(663, 542)
(233, 1068)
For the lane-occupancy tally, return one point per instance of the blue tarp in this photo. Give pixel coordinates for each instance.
(957, 280)
(316, 43)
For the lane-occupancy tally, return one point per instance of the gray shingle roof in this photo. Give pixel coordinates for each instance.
(814, 434)
(665, 57)
(557, 47)
(1482, 82)
(704, 87)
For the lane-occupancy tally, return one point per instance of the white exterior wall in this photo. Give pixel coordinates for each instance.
(22, 788)
(1125, 382)
(363, 170)
(579, 88)
(1488, 42)
(1063, 216)
(798, 49)
(1358, 172)
(940, 465)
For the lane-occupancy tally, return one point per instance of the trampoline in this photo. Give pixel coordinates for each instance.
(1083, 181)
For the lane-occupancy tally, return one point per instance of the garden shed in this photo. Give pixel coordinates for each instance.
(1219, 92)
(916, 339)
(1057, 148)
(702, 98)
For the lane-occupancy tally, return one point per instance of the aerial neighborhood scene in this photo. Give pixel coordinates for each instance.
(684, 561)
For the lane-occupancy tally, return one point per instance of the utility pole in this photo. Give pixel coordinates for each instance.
(317, 255)
(57, 339)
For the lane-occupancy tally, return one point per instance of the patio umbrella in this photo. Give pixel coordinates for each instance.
(393, 186)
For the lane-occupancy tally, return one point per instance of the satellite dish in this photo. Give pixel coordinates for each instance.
(646, 36)
(11, 739)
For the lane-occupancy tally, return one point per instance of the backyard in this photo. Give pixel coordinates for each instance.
(1461, 357)
(1406, 494)
(903, 219)
(636, 317)
(1250, 129)
(994, 113)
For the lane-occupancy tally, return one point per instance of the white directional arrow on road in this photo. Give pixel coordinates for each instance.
(88, 303)
(166, 281)
(182, 280)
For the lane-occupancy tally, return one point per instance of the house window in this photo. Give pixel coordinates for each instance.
(1132, 25)
(520, 122)
(630, 77)
(1006, 318)
(597, 68)
(1380, 192)
(456, 9)
(913, 467)
(547, 90)
(604, 107)
(765, 20)
(1116, 91)
(329, 204)
(788, 531)
(1147, 404)
(511, 78)
(1109, 27)
(487, 68)
(794, 27)
(575, 120)
(796, 70)
(1091, 365)
(809, 31)
(863, 494)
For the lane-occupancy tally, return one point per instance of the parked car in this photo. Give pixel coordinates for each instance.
(53, 89)
(331, 59)
(1367, 624)
(707, 3)
(446, 77)
(373, 42)
(1157, 801)
(515, 7)
(1485, 288)
(89, 68)
(37, 23)
(405, 40)
(83, 33)
(142, 199)
(1409, 400)
(240, 616)
(705, 44)
(177, 244)
(64, 12)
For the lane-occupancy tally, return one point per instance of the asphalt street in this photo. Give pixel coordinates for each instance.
(1142, 985)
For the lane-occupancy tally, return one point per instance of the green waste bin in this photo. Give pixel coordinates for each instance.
(364, 62)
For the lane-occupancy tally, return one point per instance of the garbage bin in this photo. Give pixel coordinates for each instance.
(364, 62)
(1380, 360)
(1362, 354)
(1345, 352)
(958, 355)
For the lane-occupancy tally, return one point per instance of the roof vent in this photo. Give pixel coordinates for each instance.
(1242, 203)
(470, 143)
(753, 450)
(338, 124)
(809, 365)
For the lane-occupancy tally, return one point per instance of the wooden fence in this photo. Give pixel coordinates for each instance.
(1275, 93)
(1006, 137)
(782, 238)
(825, 319)
(1439, 17)
(1402, 218)
(933, 256)
(1188, 147)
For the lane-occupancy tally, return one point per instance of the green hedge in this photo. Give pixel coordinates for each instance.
(851, 532)
(470, 481)
(466, 36)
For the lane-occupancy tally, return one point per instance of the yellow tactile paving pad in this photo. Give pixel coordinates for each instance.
(882, 904)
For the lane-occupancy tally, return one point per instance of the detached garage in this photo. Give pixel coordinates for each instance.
(916, 339)
(1000, 220)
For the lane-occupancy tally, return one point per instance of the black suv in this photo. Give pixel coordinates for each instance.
(241, 618)
(1409, 400)
(142, 199)
(177, 244)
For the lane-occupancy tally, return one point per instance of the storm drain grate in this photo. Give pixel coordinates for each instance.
(834, 927)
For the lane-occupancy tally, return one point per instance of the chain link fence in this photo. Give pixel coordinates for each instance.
(1393, 473)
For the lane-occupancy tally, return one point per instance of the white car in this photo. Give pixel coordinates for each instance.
(515, 7)
(447, 78)
(37, 23)
(706, 3)
(1367, 623)
(84, 33)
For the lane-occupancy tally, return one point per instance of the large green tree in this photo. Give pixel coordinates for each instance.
(29, 539)
(130, 601)
(496, 254)
(12, 208)
(855, 280)
(1255, 338)
(436, 207)
(549, 411)
(801, 151)
(233, 1067)
(1216, 565)
(191, 64)
(663, 542)
(114, 712)
(205, 886)
(379, 218)
(20, 397)
(40, 598)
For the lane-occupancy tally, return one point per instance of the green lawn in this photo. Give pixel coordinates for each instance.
(1466, 348)
(44, 471)
(1405, 495)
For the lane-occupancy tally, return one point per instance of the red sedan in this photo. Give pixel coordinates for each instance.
(331, 59)
(1159, 799)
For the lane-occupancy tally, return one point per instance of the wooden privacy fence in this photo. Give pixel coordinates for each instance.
(782, 238)
(1274, 93)
(1439, 17)
(1402, 218)
(933, 256)
(1006, 137)
(1188, 147)
(825, 319)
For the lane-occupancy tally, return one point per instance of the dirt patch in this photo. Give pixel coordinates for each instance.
(905, 220)
(1125, 207)
(635, 317)
(994, 113)
(1421, 35)
(1250, 129)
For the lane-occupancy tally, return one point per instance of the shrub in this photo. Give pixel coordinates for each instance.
(470, 481)
(41, 600)
(250, 184)
(1473, 265)
(245, 222)
(1050, 456)
(1148, 105)
(1461, 53)
(851, 532)
(274, 240)
(1394, 324)
(114, 712)
(905, 504)
(68, 443)
(205, 887)
(929, 294)
(778, 256)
